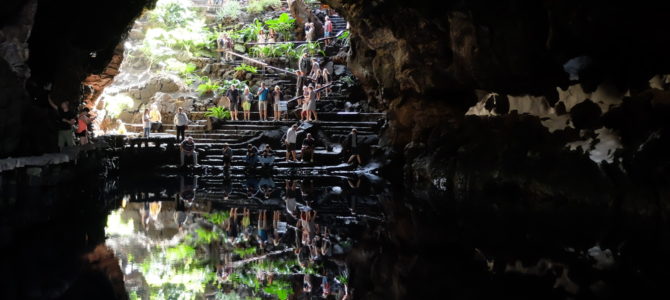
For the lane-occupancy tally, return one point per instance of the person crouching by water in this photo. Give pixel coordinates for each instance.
(227, 156)
(180, 122)
(308, 148)
(188, 149)
(252, 157)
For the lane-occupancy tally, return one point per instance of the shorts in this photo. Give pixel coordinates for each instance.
(354, 150)
(290, 147)
(262, 104)
(275, 107)
(226, 159)
(80, 134)
(234, 105)
(246, 105)
(326, 34)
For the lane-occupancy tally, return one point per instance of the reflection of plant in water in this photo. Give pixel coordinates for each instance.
(279, 288)
(242, 252)
(205, 236)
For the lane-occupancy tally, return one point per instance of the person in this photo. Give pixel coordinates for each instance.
(146, 120)
(248, 97)
(267, 158)
(318, 77)
(233, 96)
(309, 31)
(82, 126)
(327, 30)
(66, 119)
(263, 93)
(180, 122)
(303, 64)
(298, 82)
(120, 127)
(252, 156)
(311, 105)
(262, 228)
(272, 36)
(289, 197)
(261, 37)
(227, 156)
(325, 74)
(277, 97)
(156, 118)
(291, 137)
(222, 43)
(305, 103)
(276, 218)
(229, 47)
(231, 226)
(188, 149)
(308, 148)
(315, 67)
(352, 143)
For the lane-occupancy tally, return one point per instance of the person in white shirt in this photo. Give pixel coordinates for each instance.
(180, 122)
(291, 137)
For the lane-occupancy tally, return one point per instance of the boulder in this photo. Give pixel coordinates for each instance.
(338, 70)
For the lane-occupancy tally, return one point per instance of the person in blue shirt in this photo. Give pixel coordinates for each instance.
(263, 93)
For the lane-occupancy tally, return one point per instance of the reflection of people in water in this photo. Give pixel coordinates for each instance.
(307, 191)
(289, 197)
(227, 188)
(231, 226)
(252, 187)
(276, 218)
(266, 186)
(223, 270)
(355, 192)
(262, 228)
(187, 191)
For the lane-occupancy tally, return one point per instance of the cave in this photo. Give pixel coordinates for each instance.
(410, 149)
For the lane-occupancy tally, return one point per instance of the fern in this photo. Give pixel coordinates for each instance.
(219, 113)
(247, 68)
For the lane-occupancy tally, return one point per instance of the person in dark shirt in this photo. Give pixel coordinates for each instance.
(66, 119)
(188, 149)
(233, 95)
(252, 156)
(352, 142)
(227, 155)
(308, 148)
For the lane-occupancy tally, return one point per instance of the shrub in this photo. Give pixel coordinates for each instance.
(219, 113)
(230, 10)
(258, 6)
(172, 13)
(312, 48)
(247, 68)
(282, 25)
(208, 86)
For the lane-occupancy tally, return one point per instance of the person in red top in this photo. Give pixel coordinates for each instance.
(83, 121)
(327, 30)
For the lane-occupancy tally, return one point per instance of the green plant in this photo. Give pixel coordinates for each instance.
(220, 216)
(345, 35)
(172, 13)
(282, 25)
(230, 10)
(237, 83)
(258, 6)
(219, 113)
(208, 86)
(245, 252)
(279, 288)
(180, 252)
(312, 49)
(247, 68)
(205, 236)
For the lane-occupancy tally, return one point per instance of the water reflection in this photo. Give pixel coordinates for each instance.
(226, 237)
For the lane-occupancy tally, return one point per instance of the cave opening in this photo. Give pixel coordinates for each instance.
(301, 149)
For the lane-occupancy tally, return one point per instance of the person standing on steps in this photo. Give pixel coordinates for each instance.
(311, 105)
(277, 97)
(304, 103)
(326, 79)
(315, 68)
(291, 139)
(82, 126)
(309, 32)
(352, 143)
(247, 98)
(303, 69)
(66, 119)
(263, 93)
(187, 148)
(221, 44)
(233, 95)
(180, 122)
(227, 156)
(146, 120)
(327, 30)
(156, 118)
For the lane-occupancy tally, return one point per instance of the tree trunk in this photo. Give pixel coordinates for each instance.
(302, 14)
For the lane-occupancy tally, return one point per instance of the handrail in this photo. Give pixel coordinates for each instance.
(299, 42)
(316, 90)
